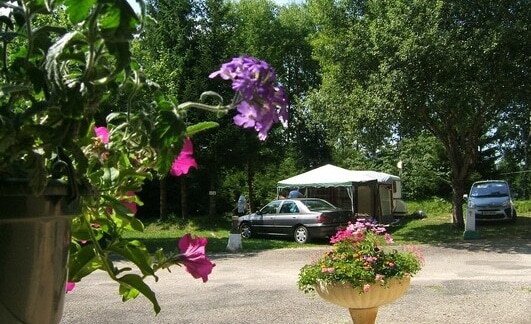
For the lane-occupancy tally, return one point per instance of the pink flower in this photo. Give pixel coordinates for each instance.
(366, 287)
(388, 238)
(193, 256)
(131, 205)
(102, 133)
(185, 160)
(416, 251)
(70, 286)
(328, 270)
(370, 258)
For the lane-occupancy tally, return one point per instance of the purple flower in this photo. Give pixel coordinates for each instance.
(193, 256)
(262, 103)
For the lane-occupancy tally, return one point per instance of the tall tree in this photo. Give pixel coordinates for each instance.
(450, 67)
(178, 53)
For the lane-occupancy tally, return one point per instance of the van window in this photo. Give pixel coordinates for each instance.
(489, 189)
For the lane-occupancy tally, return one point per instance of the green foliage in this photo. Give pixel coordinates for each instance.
(523, 206)
(436, 228)
(59, 80)
(400, 67)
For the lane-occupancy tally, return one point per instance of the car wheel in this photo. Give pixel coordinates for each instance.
(301, 234)
(513, 217)
(245, 230)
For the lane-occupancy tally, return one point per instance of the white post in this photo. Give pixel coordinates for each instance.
(470, 225)
(235, 238)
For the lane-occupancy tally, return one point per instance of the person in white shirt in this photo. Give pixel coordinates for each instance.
(241, 205)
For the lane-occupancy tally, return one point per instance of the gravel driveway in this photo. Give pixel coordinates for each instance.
(471, 282)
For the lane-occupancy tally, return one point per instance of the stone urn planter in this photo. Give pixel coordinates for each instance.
(34, 245)
(363, 306)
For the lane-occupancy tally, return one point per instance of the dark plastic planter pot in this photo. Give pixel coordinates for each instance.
(34, 246)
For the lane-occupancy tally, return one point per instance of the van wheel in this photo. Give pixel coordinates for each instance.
(513, 217)
(301, 235)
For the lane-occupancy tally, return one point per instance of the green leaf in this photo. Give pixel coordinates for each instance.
(199, 127)
(110, 175)
(111, 19)
(52, 64)
(128, 293)
(135, 252)
(132, 281)
(82, 263)
(78, 10)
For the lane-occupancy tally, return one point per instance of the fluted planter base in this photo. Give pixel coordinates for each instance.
(363, 315)
(363, 306)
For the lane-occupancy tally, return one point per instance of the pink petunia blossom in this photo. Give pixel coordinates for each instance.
(102, 133)
(185, 160)
(366, 287)
(70, 286)
(369, 258)
(131, 205)
(193, 256)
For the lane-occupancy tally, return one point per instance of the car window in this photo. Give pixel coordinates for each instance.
(289, 207)
(270, 208)
(317, 204)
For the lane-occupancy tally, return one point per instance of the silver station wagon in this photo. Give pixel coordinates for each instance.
(301, 218)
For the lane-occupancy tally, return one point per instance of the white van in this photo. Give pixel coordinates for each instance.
(491, 201)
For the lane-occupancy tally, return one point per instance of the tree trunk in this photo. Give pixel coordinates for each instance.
(527, 162)
(184, 198)
(458, 189)
(163, 199)
(250, 175)
(211, 195)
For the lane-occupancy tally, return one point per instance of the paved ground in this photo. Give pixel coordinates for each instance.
(472, 282)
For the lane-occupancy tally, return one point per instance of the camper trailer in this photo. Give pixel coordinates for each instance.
(365, 193)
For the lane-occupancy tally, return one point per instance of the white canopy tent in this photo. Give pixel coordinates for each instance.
(326, 176)
(362, 187)
(381, 177)
(330, 176)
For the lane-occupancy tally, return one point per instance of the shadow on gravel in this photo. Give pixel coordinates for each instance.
(489, 245)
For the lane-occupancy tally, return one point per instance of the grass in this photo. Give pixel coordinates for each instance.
(436, 228)
(166, 234)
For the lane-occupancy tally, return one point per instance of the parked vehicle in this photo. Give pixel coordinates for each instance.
(491, 200)
(302, 218)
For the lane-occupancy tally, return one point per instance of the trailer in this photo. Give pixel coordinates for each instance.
(365, 193)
